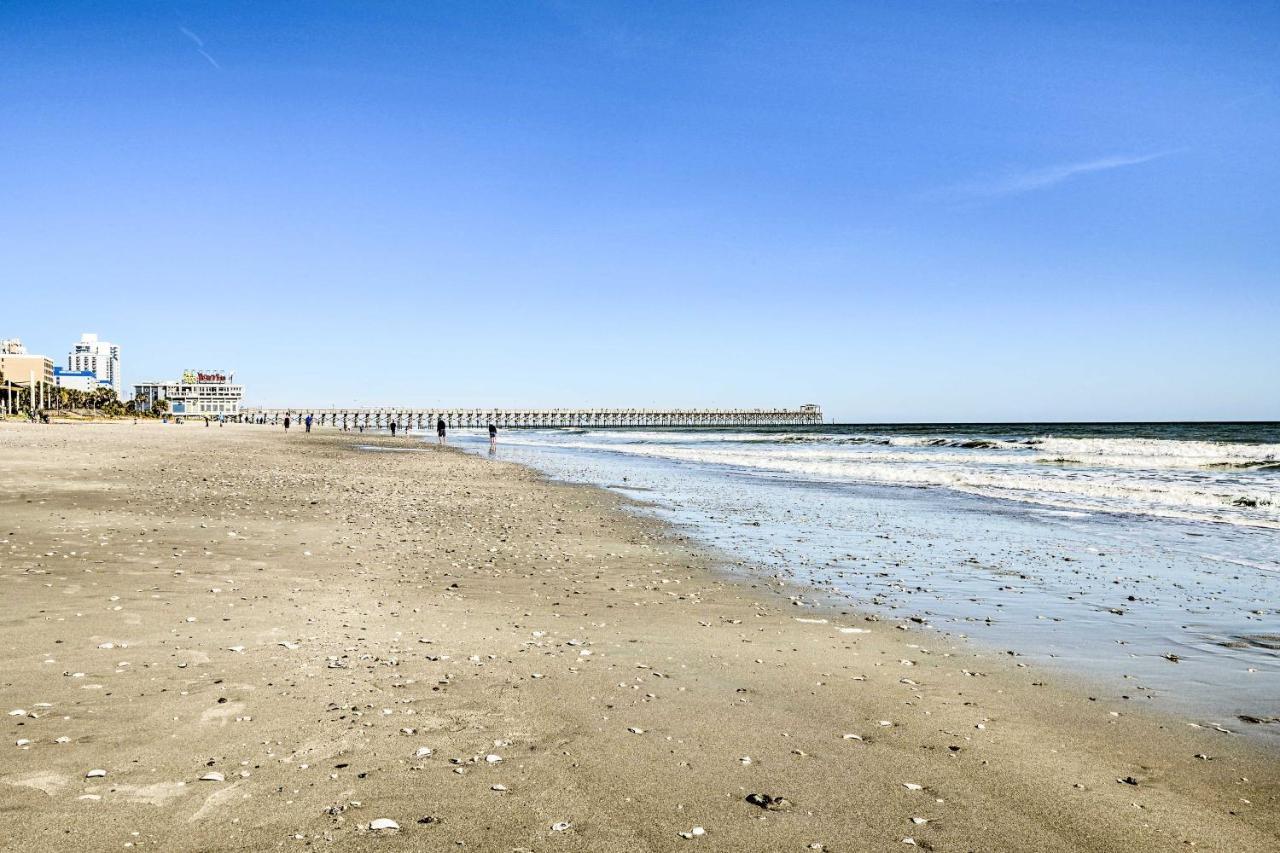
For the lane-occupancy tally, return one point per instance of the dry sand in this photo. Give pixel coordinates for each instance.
(302, 617)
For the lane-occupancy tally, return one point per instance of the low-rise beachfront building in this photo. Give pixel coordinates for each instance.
(24, 368)
(21, 368)
(101, 358)
(199, 393)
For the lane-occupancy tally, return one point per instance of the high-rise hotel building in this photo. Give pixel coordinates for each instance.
(100, 358)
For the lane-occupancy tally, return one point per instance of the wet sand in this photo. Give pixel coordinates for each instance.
(304, 620)
(1152, 611)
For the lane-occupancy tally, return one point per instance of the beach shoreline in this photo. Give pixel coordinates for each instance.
(1177, 615)
(302, 618)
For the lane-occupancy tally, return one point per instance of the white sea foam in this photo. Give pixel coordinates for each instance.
(1202, 480)
(1161, 453)
(1106, 452)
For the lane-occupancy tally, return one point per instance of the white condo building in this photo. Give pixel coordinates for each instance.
(100, 358)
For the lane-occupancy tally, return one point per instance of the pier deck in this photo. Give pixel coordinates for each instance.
(420, 418)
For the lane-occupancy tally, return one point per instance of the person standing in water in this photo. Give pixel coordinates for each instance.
(493, 436)
(440, 431)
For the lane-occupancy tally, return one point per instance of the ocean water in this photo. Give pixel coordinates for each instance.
(1143, 556)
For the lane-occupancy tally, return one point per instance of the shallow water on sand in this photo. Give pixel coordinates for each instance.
(1175, 612)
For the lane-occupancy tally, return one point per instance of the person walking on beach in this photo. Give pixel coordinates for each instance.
(393, 429)
(308, 423)
(493, 436)
(440, 430)
(286, 423)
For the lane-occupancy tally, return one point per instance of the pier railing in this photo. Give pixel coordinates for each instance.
(422, 418)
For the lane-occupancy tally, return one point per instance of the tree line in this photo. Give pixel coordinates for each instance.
(102, 400)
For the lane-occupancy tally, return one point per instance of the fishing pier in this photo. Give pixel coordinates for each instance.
(422, 418)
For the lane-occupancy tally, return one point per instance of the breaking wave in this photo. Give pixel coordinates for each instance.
(1218, 481)
(1103, 452)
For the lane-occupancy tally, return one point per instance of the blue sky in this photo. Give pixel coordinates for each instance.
(903, 211)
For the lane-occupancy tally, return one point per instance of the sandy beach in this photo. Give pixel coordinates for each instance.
(233, 638)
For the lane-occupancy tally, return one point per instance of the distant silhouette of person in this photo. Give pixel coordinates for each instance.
(493, 434)
(393, 429)
(286, 423)
(308, 422)
(440, 431)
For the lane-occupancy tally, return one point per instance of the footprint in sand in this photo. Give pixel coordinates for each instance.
(156, 794)
(222, 714)
(50, 783)
(215, 800)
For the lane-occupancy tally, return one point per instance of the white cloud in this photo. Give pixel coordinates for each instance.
(1029, 180)
(199, 43)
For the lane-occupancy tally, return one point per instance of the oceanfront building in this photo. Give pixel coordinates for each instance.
(21, 368)
(198, 393)
(77, 380)
(101, 358)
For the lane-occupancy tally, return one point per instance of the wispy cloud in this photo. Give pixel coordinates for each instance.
(199, 43)
(1030, 180)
